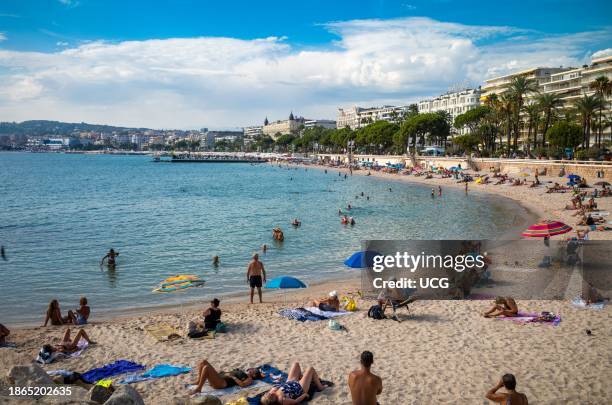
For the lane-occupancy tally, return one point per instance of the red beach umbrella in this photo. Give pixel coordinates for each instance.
(546, 228)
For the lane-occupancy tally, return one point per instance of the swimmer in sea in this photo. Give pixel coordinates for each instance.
(433, 193)
(111, 255)
(264, 248)
(215, 261)
(439, 191)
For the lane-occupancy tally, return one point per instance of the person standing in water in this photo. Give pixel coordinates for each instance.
(215, 261)
(111, 256)
(256, 276)
(466, 187)
(439, 191)
(433, 193)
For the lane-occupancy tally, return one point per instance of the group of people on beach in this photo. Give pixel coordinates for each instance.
(78, 316)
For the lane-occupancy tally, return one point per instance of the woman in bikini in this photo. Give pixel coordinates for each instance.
(221, 379)
(503, 306)
(111, 255)
(295, 389)
(54, 314)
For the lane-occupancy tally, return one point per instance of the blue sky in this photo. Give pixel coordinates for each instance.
(223, 64)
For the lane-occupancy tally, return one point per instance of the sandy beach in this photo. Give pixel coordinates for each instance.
(444, 352)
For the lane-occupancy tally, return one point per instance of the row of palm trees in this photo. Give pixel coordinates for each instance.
(523, 106)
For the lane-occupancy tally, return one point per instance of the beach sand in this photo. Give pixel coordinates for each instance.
(445, 352)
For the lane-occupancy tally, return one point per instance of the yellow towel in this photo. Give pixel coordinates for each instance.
(241, 401)
(162, 331)
(105, 383)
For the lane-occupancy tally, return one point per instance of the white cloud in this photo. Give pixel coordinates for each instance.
(602, 53)
(2, 36)
(226, 82)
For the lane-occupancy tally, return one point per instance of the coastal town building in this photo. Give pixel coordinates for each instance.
(329, 124)
(252, 133)
(454, 103)
(357, 117)
(282, 127)
(569, 83)
(210, 137)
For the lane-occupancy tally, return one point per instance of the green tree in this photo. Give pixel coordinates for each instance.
(533, 117)
(379, 135)
(472, 118)
(432, 126)
(564, 134)
(548, 103)
(603, 88)
(586, 106)
(519, 88)
(468, 142)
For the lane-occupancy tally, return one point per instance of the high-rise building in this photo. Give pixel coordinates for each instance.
(330, 124)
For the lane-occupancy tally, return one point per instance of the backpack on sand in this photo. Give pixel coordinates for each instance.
(376, 312)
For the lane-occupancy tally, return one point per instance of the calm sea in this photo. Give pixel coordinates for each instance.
(61, 213)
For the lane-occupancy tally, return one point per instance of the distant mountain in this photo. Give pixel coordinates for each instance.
(42, 127)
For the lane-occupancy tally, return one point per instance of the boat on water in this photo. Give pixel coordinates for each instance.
(208, 158)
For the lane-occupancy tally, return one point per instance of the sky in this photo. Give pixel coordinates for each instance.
(226, 64)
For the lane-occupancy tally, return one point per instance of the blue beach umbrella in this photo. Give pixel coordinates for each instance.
(285, 282)
(573, 177)
(455, 168)
(361, 260)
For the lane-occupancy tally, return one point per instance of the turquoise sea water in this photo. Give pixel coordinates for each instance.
(60, 213)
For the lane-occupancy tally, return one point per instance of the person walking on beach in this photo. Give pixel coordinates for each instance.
(511, 397)
(364, 385)
(255, 275)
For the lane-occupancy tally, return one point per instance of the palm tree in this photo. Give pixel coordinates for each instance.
(603, 88)
(519, 87)
(586, 107)
(506, 109)
(533, 114)
(548, 103)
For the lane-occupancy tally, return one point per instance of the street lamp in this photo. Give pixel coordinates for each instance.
(350, 145)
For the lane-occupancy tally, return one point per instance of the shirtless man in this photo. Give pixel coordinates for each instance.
(364, 385)
(503, 306)
(255, 275)
(507, 398)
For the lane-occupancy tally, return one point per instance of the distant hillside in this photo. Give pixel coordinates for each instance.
(41, 127)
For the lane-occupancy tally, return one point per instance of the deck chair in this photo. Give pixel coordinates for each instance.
(404, 302)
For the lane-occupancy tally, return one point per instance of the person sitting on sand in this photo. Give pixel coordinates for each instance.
(363, 384)
(54, 314)
(511, 397)
(332, 303)
(295, 389)
(81, 315)
(4, 332)
(212, 315)
(222, 379)
(503, 306)
(111, 256)
(68, 345)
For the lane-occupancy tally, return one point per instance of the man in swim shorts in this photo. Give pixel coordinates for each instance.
(256, 276)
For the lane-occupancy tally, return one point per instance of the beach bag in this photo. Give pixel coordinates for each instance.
(333, 325)
(194, 331)
(376, 312)
(220, 328)
(350, 304)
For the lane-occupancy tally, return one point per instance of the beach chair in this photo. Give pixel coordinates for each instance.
(396, 303)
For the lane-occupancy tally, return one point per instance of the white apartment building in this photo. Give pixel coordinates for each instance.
(329, 124)
(252, 133)
(570, 83)
(358, 117)
(454, 103)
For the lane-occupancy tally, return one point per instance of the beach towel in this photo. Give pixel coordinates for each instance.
(162, 332)
(272, 376)
(158, 371)
(47, 359)
(109, 370)
(327, 314)
(8, 345)
(531, 317)
(256, 400)
(301, 315)
(580, 303)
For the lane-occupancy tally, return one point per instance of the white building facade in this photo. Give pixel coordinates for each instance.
(454, 103)
(358, 117)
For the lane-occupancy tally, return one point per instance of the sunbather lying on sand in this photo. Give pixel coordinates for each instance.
(332, 303)
(69, 345)
(295, 389)
(222, 379)
(503, 306)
